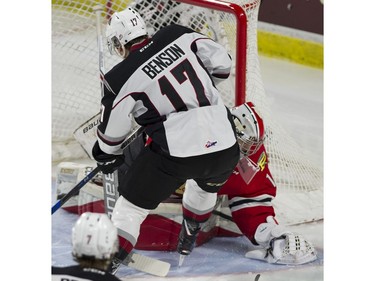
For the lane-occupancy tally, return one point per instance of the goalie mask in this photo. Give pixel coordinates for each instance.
(122, 28)
(94, 236)
(249, 128)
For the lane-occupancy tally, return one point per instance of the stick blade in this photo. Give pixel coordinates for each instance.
(149, 265)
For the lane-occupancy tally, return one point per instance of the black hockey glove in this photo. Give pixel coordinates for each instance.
(107, 163)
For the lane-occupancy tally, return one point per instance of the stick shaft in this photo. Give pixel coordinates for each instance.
(74, 190)
(138, 131)
(98, 12)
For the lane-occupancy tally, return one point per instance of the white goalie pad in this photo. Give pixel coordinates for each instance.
(68, 174)
(280, 246)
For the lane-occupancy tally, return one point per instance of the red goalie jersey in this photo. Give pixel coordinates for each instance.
(250, 190)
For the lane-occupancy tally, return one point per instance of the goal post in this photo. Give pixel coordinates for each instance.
(76, 92)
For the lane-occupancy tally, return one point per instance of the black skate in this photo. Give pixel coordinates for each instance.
(187, 237)
(122, 257)
(114, 266)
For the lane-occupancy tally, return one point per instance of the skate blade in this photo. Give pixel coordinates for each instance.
(182, 257)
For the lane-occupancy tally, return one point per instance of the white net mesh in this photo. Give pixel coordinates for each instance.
(76, 87)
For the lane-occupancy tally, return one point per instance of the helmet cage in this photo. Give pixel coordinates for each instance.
(249, 128)
(248, 145)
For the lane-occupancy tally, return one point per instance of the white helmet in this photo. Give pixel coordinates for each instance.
(249, 127)
(122, 28)
(94, 235)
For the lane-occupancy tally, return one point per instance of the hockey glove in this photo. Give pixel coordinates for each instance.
(107, 163)
(281, 246)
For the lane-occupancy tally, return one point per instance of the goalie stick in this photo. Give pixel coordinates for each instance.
(222, 215)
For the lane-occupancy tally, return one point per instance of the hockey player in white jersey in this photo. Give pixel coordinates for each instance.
(94, 243)
(167, 83)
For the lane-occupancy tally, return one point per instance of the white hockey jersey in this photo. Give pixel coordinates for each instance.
(167, 83)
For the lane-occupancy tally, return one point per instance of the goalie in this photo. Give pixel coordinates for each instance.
(250, 190)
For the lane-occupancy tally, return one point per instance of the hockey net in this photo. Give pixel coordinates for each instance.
(76, 88)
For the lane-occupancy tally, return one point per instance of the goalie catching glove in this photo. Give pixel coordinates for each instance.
(107, 163)
(281, 246)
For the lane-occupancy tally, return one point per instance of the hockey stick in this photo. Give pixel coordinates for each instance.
(85, 134)
(149, 265)
(74, 190)
(98, 9)
(222, 215)
(139, 262)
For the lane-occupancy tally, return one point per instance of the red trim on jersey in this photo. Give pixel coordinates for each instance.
(125, 244)
(139, 45)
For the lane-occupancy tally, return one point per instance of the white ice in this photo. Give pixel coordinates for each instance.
(296, 95)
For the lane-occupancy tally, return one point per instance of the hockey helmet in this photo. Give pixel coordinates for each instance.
(122, 28)
(94, 236)
(249, 128)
